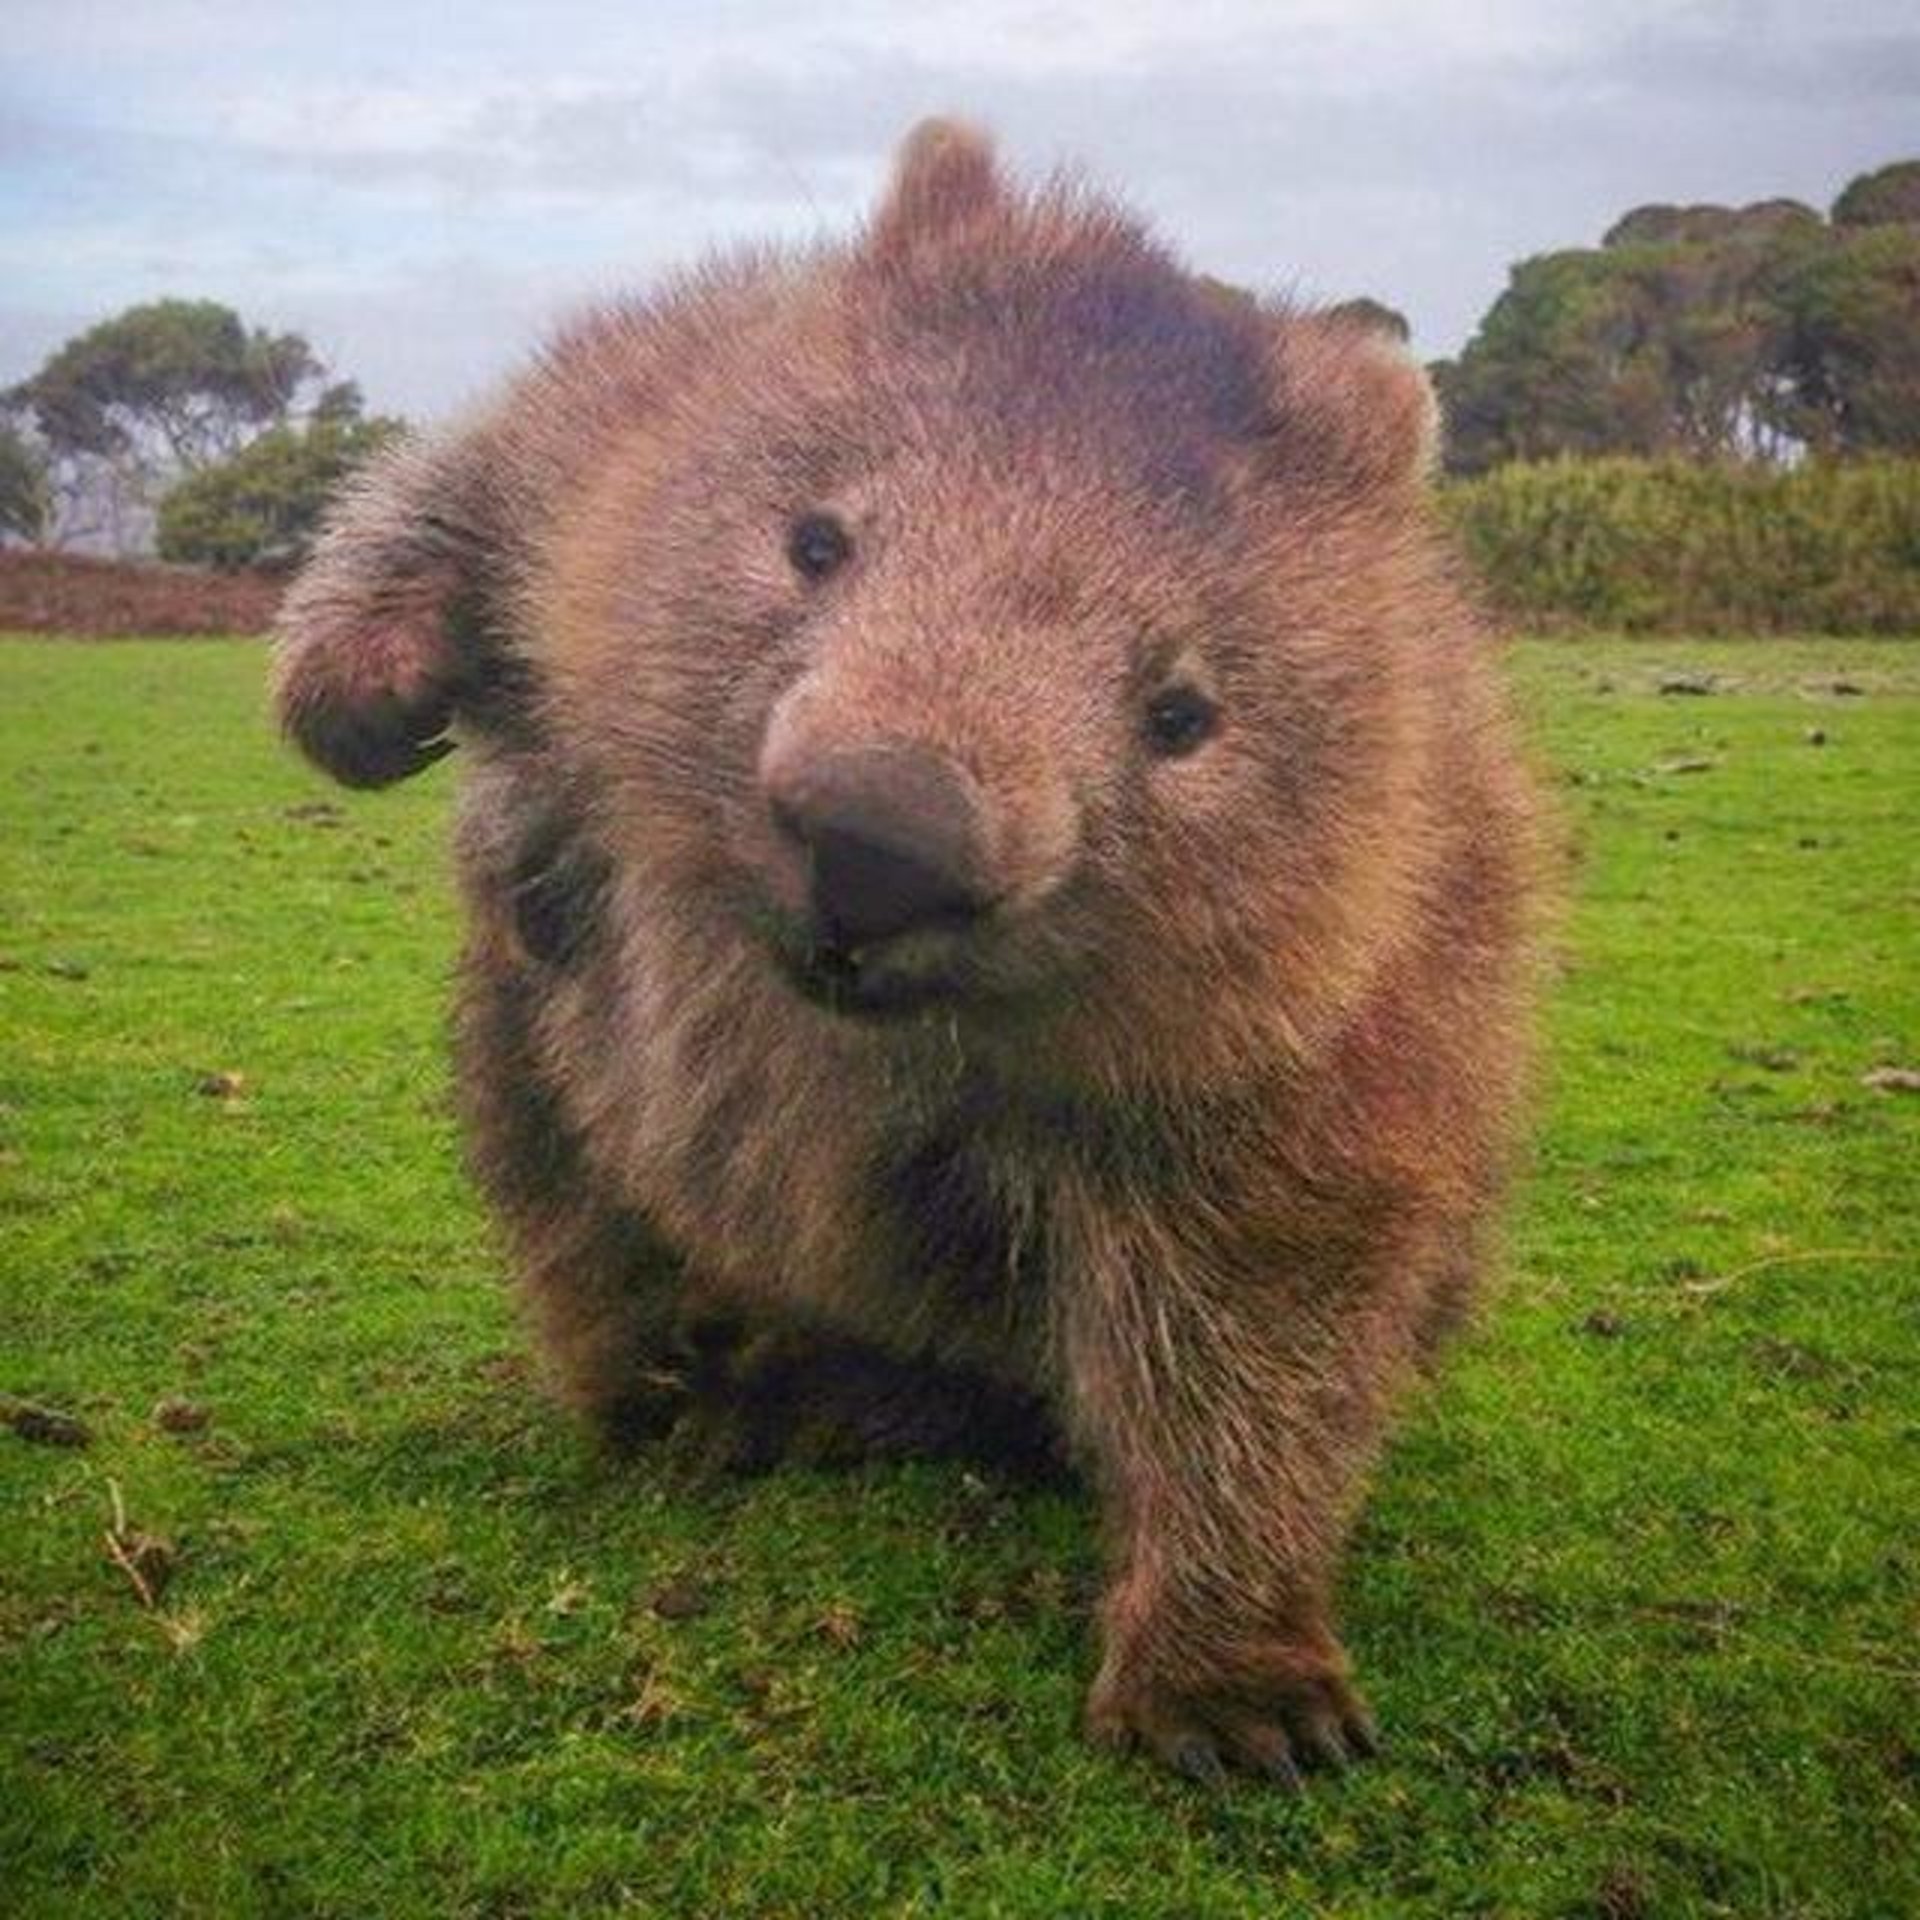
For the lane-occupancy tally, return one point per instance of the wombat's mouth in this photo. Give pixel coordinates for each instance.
(868, 982)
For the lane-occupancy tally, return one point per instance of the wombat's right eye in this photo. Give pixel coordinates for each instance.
(818, 545)
(1179, 720)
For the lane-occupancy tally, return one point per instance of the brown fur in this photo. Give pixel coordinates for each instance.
(1176, 1158)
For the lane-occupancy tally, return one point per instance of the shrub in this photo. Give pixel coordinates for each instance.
(1670, 545)
(262, 507)
(81, 593)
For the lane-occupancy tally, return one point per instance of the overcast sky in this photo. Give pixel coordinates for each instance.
(420, 188)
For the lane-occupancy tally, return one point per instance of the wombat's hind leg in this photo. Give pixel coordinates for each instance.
(784, 1392)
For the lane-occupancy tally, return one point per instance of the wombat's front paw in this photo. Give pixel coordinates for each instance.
(1272, 1723)
(372, 711)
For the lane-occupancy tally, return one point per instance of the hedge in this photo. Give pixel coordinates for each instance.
(1642, 546)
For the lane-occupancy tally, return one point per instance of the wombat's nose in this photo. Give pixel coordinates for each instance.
(892, 840)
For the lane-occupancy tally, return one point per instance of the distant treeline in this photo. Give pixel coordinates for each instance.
(176, 430)
(1672, 546)
(1627, 546)
(1701, 422)
(1766, 333)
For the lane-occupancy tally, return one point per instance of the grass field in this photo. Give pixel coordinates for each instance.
(1638, 1597)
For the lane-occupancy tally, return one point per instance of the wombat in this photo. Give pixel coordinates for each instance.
(999, 885)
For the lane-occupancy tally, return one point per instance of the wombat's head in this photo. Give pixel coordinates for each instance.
(989, 615)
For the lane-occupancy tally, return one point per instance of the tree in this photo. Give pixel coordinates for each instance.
(1558, 366)
(26, 503)
(1850, 354)
(1663, 226)
(1888, 198)
(1711, 332)
(1661, 341)
(186, 374)
(158, 390)
(263, 506)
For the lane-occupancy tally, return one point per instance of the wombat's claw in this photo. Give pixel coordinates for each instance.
(1198, 1758)
(1319, 1724)
(1326, 1724)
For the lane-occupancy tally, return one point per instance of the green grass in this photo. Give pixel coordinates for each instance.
(1637, 1596)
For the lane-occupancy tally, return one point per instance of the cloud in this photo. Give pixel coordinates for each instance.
(425, 194)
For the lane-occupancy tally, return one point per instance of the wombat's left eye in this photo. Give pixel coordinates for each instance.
(818, 545)
(1178, 720)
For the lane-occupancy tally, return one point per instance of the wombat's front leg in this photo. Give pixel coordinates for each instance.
(607, 1298)
(1228, 1418)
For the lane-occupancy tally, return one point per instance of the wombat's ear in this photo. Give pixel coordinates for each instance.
(1351, 406)
(372, 654)
(944, 178)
